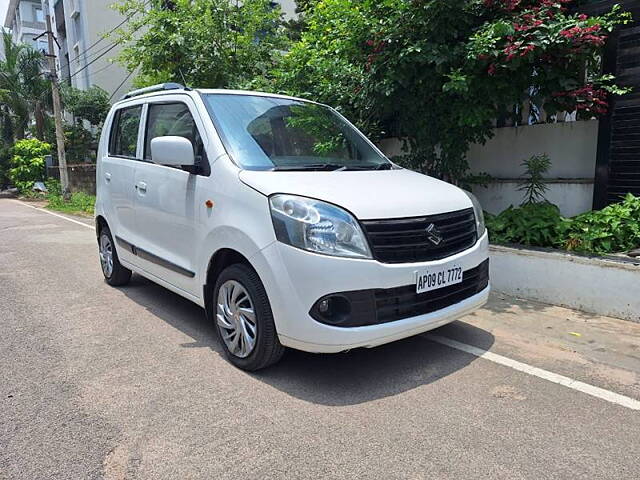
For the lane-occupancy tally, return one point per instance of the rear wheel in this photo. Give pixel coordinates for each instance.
(244, 319)
(114, 273)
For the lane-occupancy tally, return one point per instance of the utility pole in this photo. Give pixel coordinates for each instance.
(57, 108)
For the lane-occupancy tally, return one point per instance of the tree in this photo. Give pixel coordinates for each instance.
(328, 63)
(295, 26)
(91, 105)
(23, 90)
(204, 43)
(437, 73)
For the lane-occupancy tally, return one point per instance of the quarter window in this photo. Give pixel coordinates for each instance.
(124, 132)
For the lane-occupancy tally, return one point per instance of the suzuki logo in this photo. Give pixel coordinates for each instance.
(433, 234)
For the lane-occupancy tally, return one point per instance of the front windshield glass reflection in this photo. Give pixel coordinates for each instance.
(275, 133)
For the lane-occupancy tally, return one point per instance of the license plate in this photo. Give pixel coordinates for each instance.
(438, 277)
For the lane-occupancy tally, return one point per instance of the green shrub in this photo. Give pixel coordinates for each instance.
(83, 202)
(533, 224)
(615, 228)
(27, 163)
(5, 162)
(78, 144)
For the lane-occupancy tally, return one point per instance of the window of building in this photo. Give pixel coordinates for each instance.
(38, 15)
(77, 29)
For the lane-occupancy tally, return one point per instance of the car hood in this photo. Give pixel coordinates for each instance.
(367, 194)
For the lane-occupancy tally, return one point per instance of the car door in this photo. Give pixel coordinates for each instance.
(118, 174)
(166, 203)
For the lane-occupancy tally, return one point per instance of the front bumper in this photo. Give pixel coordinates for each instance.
(295, 279)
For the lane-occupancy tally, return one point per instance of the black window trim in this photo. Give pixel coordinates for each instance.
(114, 126)
(203, 171)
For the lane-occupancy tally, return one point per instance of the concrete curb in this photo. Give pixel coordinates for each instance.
(601, 285)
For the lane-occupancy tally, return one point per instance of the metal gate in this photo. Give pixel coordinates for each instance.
(618, 156)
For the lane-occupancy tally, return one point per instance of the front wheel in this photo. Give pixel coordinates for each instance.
(244, 319)
(114, 273)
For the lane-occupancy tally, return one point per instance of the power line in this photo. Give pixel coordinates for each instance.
(93, 61)
(100, 70)
(108, 49)
(80, 54)
(100, 50)
(121, 84)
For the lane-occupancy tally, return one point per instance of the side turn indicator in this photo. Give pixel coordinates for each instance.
(209, 204)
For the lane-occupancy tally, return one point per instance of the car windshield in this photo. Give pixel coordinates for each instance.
(270, 133)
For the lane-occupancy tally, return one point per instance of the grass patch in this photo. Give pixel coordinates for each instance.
(78, 204)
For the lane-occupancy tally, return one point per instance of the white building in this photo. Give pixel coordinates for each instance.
(85, 56)
(25, 19)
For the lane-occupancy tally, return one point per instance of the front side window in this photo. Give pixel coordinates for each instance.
(174, 119)
(124, 132)
(263, 133)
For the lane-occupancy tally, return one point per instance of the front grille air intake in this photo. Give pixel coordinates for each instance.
(406, 240)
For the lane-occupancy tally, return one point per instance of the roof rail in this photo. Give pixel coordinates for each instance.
(155, 88)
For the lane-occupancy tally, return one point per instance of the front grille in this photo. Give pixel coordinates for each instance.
(383, 305)
(406, 240)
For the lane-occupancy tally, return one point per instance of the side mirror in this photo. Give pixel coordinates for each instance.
(171, 150)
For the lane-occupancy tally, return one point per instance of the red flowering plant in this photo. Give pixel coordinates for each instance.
(437, 73)
(538, 47)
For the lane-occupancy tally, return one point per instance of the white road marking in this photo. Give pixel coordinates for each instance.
(55, 215)
(598, 392)
(592, 390)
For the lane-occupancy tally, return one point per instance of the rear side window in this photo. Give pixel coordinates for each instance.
(124, 132)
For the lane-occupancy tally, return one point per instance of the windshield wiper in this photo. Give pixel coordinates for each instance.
(330, 167)
(382, 166)
(309, 166)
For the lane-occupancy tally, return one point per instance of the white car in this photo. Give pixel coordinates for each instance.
(281, 220)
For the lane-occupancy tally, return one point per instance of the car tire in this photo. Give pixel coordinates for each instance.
(114, 273)
(244, 320)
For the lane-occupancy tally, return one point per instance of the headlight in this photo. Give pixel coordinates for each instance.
(317, 226)
(477, 210)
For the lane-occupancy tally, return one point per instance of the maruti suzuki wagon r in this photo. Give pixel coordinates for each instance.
(284, 222)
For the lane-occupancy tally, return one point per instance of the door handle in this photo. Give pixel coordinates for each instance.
(141, 187)
(107, 177)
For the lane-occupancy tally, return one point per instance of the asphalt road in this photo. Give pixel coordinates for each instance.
(98, 382)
